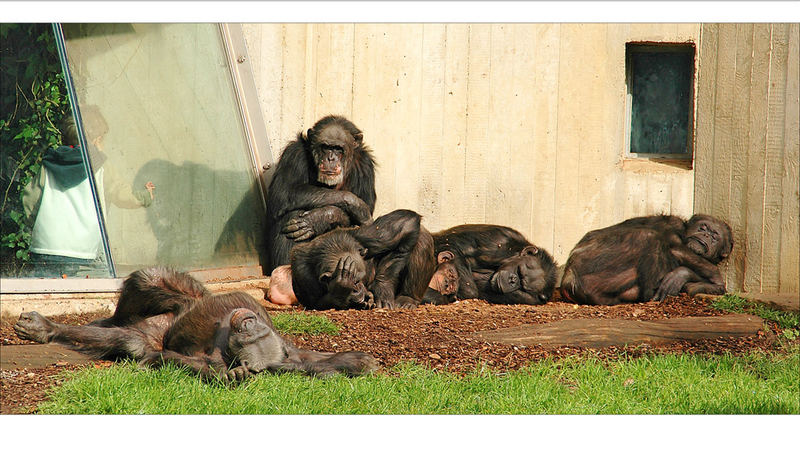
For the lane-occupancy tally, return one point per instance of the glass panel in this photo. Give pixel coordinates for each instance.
(661, 106)
(158, 103)
(50, 225)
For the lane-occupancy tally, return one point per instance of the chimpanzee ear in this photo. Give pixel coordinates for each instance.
(358, 138)
(529, 251)
(308, 135)
(445, 256)
(325, 277)
(363, 252)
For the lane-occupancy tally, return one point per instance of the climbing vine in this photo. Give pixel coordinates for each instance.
(33, 101)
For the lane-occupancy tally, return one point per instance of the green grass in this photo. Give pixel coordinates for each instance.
(738, 304)
(299, 323)
(756, 383)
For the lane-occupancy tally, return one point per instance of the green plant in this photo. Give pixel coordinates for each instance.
(33, 101)
(300, 323)
(738, 304)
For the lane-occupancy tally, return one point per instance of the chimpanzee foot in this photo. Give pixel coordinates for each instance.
(405, 302)
(355, 363)
(34, 327)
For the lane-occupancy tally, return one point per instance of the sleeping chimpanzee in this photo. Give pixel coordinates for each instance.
(648, 258)
(490, 262)
(385, 264)
(164, 316)
(323, 180)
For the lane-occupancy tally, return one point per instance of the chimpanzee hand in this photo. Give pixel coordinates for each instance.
(315, 222)
(673, 282)
(237, 374)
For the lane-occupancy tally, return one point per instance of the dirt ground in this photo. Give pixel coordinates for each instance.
(438, 336)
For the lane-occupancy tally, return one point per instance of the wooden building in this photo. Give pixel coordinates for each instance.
(528, 125)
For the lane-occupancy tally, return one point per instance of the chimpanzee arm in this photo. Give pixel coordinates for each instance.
(208, 367)
(683, 278)
(290, 189)
(306, 225)
(699, 265)
(389, 240)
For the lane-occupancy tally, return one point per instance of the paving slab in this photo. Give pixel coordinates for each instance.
(39, 356)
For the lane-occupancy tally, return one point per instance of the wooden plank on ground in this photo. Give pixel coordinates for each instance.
(616, 332)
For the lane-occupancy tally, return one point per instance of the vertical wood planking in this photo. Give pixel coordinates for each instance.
(332, 93)
(293, 83)
(723, 116)
(723, 124)
(405, 114)
(790, 188)
(503, 118)
(544, 102)
(454, 122)
(737, 217)
(706, 102)
(569, 227)
(431, 120)
(759, 92)
(522, 165)
(596, 162)
(774, 163)
(478, 87)
(370, 106)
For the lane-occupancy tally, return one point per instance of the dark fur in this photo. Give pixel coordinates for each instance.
(300, 207)
(645, 258)
(487, 254)
(164, 316)
(385, 264)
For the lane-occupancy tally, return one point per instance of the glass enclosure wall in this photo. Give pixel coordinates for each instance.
(171, 163)
(160, 104)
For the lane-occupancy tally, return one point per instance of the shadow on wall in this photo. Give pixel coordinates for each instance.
(203, 217)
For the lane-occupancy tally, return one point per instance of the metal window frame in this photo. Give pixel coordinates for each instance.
(261, 159)
(686, 160)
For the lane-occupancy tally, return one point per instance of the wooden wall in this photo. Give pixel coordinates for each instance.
(513, 124)
(747, 149)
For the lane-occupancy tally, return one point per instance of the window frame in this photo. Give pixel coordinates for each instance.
(261, 161)
(679, 159)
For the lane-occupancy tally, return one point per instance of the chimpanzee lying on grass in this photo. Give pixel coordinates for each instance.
(164, 316)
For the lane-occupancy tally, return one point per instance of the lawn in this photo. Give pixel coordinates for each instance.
(663, 384)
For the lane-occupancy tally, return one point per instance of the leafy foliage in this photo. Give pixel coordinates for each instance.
(738, 304)
(33, 101)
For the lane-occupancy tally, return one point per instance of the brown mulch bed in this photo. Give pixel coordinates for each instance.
(438, 336)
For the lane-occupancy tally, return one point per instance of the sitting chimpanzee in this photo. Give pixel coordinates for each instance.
(385, 264)
(490, 262)
(323, 180)
(164, 316)
(648, 258)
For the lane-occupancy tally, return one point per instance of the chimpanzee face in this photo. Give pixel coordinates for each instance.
(445, 280)
(709, 238)
(522, 272)
(332, 147)
(253, 342)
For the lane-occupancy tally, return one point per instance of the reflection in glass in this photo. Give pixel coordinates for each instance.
(50, 223)
(661, 99)
(160, 107)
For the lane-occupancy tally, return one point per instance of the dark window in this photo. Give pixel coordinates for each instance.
(660, 91)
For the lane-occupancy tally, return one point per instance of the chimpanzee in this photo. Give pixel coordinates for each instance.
(648, 258)
(385, 264)
(323, 180)
(490, 262)
(164, 316)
